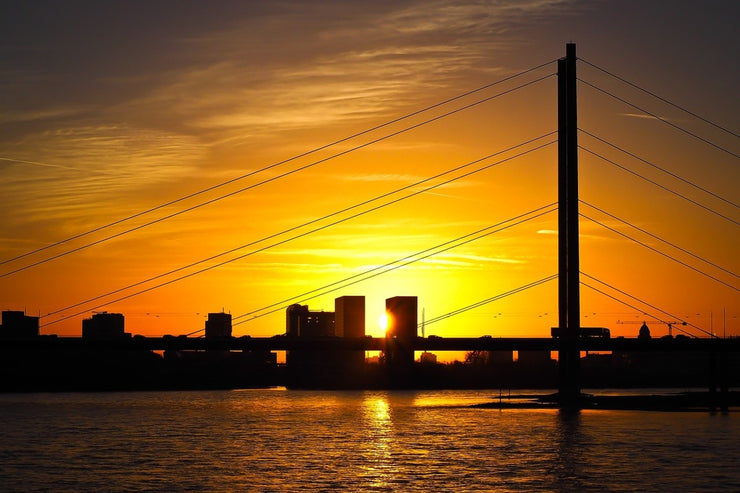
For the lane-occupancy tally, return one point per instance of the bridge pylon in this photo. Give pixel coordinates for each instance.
(569, 305)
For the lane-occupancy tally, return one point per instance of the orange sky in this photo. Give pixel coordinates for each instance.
(112, 109)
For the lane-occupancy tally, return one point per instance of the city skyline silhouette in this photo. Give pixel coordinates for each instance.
(521, 109)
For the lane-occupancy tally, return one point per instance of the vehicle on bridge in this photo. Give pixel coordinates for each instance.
(599, 332)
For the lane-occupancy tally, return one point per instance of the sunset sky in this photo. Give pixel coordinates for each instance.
(108, 109)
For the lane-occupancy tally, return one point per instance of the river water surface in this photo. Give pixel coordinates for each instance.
(288, 440)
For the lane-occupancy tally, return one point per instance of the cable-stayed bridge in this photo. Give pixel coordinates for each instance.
(569, 274)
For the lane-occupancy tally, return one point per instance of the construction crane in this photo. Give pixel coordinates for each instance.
(669, 324)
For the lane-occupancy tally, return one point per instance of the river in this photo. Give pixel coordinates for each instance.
(290, 440)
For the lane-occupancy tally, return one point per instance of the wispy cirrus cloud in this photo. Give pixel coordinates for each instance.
(225, 85)
(347, 64)
(10, 161)
(31, 115)
(58, 173)
(484, 259)
(645, 116)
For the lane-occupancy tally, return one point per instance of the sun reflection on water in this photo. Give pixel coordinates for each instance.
(377, 420)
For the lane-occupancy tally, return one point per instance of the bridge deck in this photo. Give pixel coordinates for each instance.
(282, 343)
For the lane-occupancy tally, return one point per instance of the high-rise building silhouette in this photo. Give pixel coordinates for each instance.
(349, 321)
(402, 312)
(218, 325)
(349, 316)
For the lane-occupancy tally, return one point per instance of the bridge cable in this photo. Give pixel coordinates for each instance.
(641, 301)
(286, 240)
(391, 266)
(688, 182)
(643, 312)
(293, 158)
(326, 216)
(688, 132)
(661, 98)
(659, 252)
(489, 300)
(659, 238)
(659, 185)
(268, 180)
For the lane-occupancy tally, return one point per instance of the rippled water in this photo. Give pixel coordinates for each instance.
(280, 440)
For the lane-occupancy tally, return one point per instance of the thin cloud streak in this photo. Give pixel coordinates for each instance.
(643, 116)
(48, 165)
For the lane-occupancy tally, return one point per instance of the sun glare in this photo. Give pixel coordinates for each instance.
(383, 322)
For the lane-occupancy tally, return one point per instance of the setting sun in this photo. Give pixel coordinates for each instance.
(383, 322)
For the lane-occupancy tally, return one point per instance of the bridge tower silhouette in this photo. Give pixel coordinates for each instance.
(568, 242)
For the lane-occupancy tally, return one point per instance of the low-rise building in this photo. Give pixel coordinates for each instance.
(16, 324)
(104, 325)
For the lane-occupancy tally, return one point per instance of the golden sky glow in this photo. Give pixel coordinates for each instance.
(110, 109)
